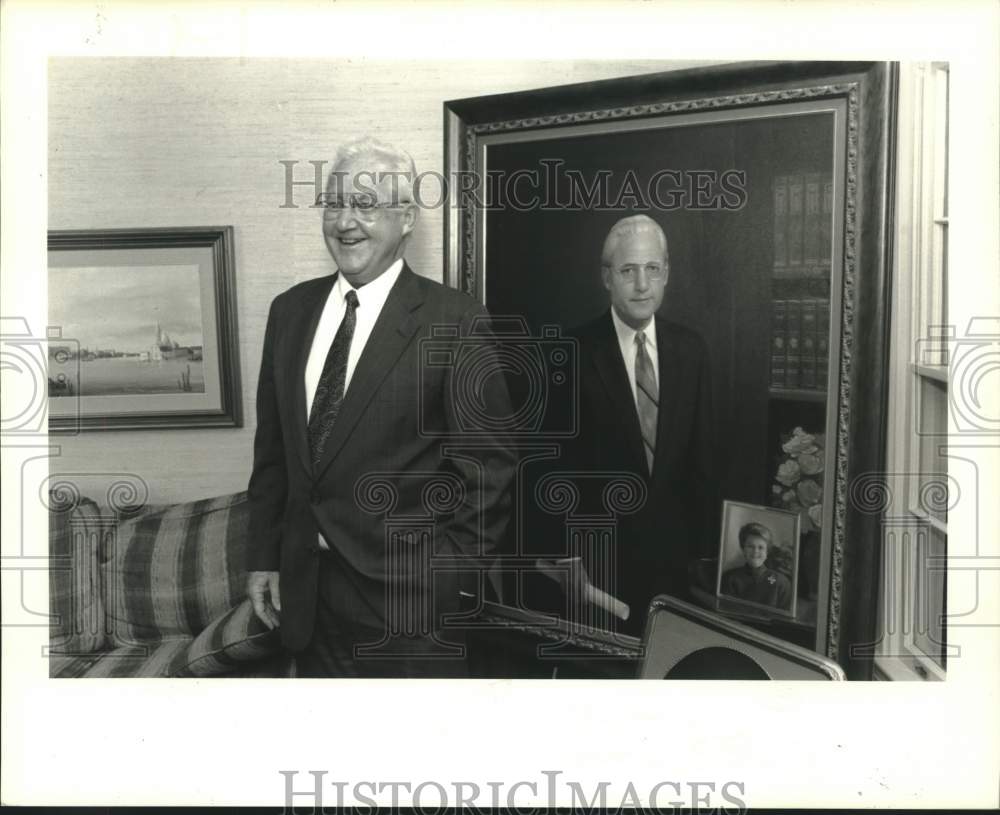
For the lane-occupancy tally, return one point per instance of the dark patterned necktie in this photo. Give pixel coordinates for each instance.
(330, 390)
(647, 397)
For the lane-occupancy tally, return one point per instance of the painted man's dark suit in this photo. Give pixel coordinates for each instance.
(394, 418)
(675, 526)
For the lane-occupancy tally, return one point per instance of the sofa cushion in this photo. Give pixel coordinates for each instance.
(71, 667)
(76, 604)
(152, 660)
(236, 638)
(169, 573)
(169, 658)
(233, 646)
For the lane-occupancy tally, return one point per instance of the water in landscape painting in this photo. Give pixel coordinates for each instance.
(126, 331)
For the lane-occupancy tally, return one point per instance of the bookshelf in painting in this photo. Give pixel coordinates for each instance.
(799, 370)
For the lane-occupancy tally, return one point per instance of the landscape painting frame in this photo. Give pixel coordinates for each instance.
(116, 363)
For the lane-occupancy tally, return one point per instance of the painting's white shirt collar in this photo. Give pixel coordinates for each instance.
(626, 336)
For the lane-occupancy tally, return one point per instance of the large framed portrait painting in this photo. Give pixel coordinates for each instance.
(769, 182)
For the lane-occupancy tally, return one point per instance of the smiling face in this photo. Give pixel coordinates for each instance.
(635, 275)
(365, 244)
(755, 551)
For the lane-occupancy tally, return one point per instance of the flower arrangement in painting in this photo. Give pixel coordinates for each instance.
(798, 482)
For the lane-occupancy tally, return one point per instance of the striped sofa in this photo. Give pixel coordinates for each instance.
(159, 594)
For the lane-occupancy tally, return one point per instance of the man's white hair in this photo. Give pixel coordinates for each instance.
(382, 158)
(625, 228)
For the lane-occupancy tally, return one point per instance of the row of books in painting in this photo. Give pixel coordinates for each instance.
(800, 349)
(803, 217)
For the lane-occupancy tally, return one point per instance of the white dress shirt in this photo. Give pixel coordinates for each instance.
(626, 342)
(371, 298)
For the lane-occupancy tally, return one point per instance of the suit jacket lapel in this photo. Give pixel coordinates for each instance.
(669, 388)
(393, 331)
(299, 346)
(611, 367)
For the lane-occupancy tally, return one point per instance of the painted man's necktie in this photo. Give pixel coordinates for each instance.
(647, 397)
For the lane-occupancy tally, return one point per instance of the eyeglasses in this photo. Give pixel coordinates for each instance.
(654, 271)
(363, 205)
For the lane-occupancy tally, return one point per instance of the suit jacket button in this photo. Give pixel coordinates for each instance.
(314, 498)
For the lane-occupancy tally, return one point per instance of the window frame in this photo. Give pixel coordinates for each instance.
(918, 354)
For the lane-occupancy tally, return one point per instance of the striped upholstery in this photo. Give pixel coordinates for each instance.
(71, 667)
(172, 572)
(153, 660)
(163, 596)
(235, 644)
(171, 658)
(235, 638)
(76, 605)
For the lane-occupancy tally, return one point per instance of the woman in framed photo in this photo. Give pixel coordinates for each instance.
(754, 581)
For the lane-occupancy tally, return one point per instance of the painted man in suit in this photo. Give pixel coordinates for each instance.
(645, 408)
(350, 425)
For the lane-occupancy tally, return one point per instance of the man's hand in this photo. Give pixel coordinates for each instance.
(263, 591)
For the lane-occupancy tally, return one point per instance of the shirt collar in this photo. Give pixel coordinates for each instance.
(375, 292)
(626, 334)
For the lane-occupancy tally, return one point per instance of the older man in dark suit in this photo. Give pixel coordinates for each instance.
(645, 409)
(349, 449)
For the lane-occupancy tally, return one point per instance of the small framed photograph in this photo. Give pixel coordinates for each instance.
(142, 330)
(759, 558)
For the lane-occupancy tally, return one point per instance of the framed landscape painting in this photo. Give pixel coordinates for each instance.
(142, 329)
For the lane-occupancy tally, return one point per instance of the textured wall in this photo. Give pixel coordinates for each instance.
(179, 142)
